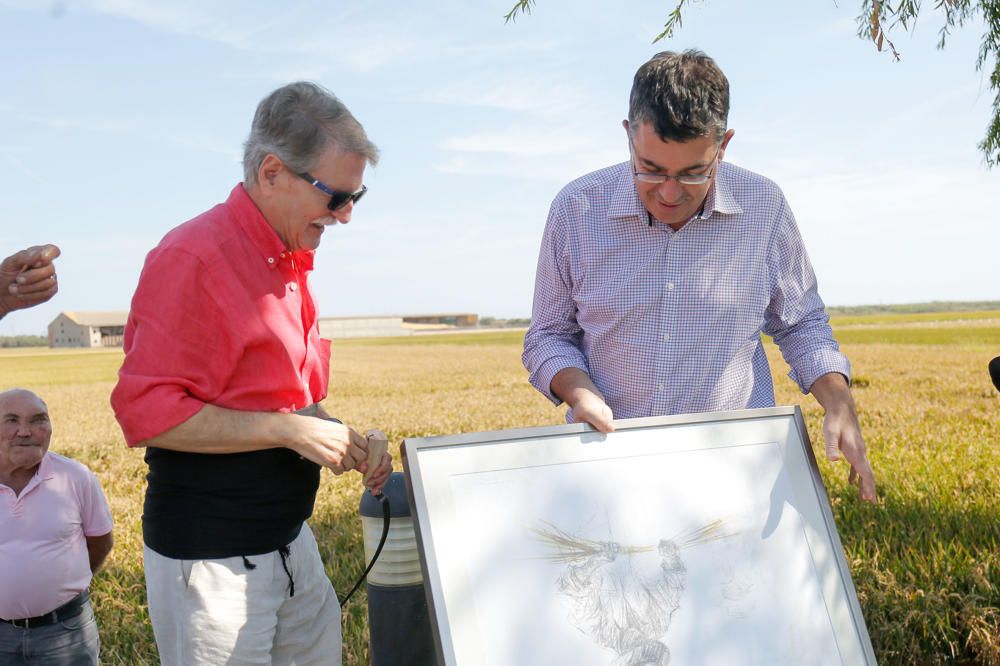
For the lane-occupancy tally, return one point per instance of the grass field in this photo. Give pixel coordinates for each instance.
(926, 562)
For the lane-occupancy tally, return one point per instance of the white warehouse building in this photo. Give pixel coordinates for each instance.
(361, 327)
(106, 329)
(87, 329)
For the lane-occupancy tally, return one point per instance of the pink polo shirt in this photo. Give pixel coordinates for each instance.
(223, 315)
(43, 551)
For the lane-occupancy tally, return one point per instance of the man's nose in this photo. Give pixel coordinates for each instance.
(670, 190)
(343, 214)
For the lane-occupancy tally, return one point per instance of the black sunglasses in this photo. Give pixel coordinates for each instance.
(338, 198)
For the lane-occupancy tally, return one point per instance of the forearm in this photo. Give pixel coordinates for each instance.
(215, 430)
(833, 393)
(218, 430)
(97, 550)
(572, 384)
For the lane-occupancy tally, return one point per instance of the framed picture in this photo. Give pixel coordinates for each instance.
(693, 539)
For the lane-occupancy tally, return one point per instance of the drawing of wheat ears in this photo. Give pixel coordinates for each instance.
(568, 547)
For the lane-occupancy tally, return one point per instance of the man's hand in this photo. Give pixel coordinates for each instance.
(576, 389)
(591, 408)
(28, 278)
(842, 432)
(330, 444)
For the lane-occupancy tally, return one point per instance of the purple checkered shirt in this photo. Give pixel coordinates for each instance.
(669, 322)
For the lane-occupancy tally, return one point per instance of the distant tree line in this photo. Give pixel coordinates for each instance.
(495, 322)
(7, 341)
(914, 308)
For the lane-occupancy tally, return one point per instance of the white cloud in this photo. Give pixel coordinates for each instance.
(180, 17)
(539, 96)
(21, 166)
(257, 28)
(895, 235)
(521, 141)
(500, 49)
(80, 121)
(560, 168)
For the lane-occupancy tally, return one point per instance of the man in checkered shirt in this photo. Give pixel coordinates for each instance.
(657, 276)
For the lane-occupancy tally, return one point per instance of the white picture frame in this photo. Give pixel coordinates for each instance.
(699, 538)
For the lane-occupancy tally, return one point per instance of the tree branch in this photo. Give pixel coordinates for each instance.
(522, 7)
(674, 21)
(877, 17)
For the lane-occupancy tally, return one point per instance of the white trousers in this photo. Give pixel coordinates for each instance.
(207, 612)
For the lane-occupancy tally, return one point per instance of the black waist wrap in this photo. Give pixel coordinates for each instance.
(201, 506)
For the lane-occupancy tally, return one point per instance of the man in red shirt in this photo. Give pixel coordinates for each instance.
(223, 374)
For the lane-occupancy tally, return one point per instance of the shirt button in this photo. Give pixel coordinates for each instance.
(670, 286)
(666, 337)
(293, 286)
(270, 260)
(660, 388)
(282, 255)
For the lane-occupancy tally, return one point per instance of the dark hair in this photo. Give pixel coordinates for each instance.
(297, 122)
(684, 95)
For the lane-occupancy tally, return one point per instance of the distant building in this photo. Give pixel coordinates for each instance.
(87, 329)
(333, 328)
(391, 326)
(459, 319)
(106, 329)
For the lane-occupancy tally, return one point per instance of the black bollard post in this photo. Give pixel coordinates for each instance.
(398, 621)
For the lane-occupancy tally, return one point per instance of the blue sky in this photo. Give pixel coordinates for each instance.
(124, 118)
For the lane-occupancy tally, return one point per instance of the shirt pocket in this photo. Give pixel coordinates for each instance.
(324, 349)
(624, 298)
(319, 379)
(731, 305)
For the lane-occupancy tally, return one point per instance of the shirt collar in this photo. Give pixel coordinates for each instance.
(45, 470)
(263, 236)
(720, 199)
(627, 204)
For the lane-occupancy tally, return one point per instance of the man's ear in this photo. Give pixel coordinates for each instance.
(725, 142)
(268, 172)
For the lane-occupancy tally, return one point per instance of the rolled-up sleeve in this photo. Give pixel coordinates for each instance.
(177, 353)
(553, 340)
(796, 317)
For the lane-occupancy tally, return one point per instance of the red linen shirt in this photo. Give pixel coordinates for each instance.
(223, 314)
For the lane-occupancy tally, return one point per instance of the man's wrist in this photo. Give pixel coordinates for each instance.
(580, 394)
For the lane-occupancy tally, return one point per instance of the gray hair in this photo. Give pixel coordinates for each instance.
(297, 123)
(684, 95)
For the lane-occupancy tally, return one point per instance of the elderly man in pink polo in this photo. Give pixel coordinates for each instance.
(55, 532)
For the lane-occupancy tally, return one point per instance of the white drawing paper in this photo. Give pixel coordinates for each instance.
(686, 557)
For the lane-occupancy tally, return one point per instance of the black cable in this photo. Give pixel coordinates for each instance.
(378, 551)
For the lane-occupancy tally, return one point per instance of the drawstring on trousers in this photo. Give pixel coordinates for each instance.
(284, 552)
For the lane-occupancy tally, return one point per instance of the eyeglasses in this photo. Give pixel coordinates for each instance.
(683, 179)
(338, 198)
